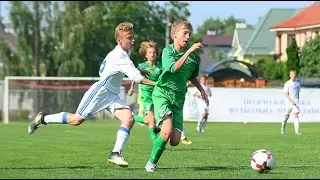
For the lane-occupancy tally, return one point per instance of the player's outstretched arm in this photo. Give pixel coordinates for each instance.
(180, 62)
(196, 83)
(144, 72)
(169, 63)
(130, 92)
(147, 82)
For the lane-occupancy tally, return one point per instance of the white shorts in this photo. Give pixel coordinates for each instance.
(203, 107)
(98, 98)
(292, 108)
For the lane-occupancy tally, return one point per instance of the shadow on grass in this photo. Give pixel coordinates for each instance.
(43, 168)
(205, 149)
(194, 168)
(197, 168)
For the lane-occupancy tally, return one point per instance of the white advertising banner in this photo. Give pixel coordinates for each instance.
(253, 105)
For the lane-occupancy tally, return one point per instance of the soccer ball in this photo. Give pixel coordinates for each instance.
(262, 161)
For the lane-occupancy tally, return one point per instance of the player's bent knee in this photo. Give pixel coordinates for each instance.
(74, 119)
(125, 116)
(129, 122)
(165, 133)
(166, 129)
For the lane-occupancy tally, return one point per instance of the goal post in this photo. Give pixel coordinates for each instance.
(24, 96)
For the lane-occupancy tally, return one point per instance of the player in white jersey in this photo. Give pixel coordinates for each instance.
(202, 105)
(105, 94)
(291, 90)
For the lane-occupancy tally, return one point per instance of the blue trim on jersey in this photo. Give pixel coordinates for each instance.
(124, 129)
(94, 92)
(64, 117)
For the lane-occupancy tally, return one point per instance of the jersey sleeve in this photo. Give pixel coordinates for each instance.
(168, 60)
(127, 67)
(140, 66)
(285, 88)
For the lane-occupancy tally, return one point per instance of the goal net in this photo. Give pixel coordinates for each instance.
(24, 97)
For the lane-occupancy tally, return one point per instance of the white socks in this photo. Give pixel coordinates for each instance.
(122, 138)
(296, 124)
(59, 118)
(183, 135)
(199, 122)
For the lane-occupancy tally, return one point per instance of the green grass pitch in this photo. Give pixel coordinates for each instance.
(223, 151)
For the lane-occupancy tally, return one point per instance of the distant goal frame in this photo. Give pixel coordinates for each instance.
(5, 109)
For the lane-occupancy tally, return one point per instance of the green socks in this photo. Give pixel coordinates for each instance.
(139, 119)
(152, 135)
(157, 150)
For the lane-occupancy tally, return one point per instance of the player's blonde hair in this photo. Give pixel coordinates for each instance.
(178, 25)
(145, 45)
(123, 27)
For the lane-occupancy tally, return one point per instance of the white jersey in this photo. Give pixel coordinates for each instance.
(293, 88)
(105, 94)
(114, 67)
(205, 88)
(201, 103)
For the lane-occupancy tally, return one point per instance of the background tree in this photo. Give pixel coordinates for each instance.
(74, 37)
(310, 58)
(293, 61)
(271, 69)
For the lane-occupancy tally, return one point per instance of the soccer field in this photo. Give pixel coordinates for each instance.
(223, 151)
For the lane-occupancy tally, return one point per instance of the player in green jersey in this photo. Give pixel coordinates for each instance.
(149, 51)
(146, 50)
(179, 65)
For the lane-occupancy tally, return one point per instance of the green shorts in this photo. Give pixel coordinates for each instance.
(167, 102)
(146, 98)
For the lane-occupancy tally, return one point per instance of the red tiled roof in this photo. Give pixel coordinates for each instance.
(307, 17)
(223, 40)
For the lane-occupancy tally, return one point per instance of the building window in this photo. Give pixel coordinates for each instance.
(290, 38)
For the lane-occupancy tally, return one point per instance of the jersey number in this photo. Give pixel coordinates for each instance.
(103, 65)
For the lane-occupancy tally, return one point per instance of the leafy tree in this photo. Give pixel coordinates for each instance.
(293, 61)
(76, 36)
(223, 27)
(272, 70)
(22, 20)
(310, 58)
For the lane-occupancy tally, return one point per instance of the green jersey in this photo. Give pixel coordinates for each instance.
(176, 81)
(155, 73)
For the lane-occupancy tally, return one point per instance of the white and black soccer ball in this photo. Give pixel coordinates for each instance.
(262, 161)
